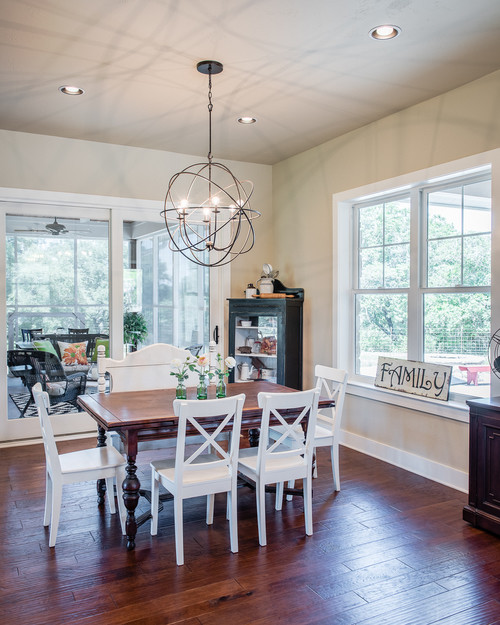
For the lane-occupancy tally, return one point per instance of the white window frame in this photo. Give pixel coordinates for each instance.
(116, 210)
(344, 276)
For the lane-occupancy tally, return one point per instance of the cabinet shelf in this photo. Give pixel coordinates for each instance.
(258, 355)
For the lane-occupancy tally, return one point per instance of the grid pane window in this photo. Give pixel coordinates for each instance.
(384, 245)
(424, 294)
(382, 329)
(459, 236)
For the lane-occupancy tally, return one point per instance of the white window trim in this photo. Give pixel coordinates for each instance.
(116, 210)
(343, 278)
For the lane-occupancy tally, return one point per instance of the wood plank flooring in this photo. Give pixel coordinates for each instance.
(389, 549)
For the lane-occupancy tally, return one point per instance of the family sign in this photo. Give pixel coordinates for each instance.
(417, 378)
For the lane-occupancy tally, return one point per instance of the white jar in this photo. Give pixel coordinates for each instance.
(266, 285)
(250, 291)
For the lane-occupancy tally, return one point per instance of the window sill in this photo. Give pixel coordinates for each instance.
(455, 410)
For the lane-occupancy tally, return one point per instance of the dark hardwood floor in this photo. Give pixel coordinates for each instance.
(391, 548)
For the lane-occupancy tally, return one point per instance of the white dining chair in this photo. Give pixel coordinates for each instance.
(201, 468)
(331, 383)
(287, 458)
(77, 466)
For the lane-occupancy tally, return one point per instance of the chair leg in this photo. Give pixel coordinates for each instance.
(110, 482)
(210, 508)
(291, 484)
(335, 466)
(233, 519)
(122, 511)
(48, 499)
(260, 493)
(307, 486)
(56, 512)
(179, 531)
(155, 502)
(279, 496)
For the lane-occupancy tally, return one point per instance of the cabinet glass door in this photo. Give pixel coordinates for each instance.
(256, 347)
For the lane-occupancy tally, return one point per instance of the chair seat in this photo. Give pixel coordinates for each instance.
(322, 433)
(208, 474)
(248, 458)
(89, 459)
(56, 389)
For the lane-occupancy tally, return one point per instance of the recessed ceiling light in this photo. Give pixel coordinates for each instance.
(385, 31)
(71, 90)
(247, 120)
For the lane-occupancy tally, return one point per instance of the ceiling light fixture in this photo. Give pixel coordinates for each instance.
(207, 209)
(385, 31)
(247, 120)
(71, 90)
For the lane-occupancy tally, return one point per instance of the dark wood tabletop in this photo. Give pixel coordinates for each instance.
(149, 415)
(153, 410)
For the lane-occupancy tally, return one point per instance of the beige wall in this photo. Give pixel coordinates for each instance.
(460, 123)
(46, 163)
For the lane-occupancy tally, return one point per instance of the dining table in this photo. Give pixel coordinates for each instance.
(149, 415)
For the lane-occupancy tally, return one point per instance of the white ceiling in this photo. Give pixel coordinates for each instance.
(306, 69)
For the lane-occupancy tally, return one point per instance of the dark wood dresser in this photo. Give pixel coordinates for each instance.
(483, 510)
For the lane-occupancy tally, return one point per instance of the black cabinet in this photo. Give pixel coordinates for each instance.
(265, 338)
(483, 510)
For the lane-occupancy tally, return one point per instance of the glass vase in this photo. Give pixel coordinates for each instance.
(220, 389)
(180, 391)
(201, 389)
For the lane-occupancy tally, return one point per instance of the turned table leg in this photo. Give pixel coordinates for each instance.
(131, 486)
(101, 484)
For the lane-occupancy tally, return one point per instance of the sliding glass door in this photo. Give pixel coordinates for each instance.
(94, 265)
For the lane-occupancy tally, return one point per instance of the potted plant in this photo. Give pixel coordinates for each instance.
(135, 329)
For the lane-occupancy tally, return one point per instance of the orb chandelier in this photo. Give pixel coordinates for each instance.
(207, 209)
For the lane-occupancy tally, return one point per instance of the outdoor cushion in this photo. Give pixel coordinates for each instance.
(73, 353)
(98, 342)
(56, 389)
(44, 345)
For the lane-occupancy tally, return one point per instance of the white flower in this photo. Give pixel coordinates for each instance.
(176, 362)
(230, 362)
(203, 360)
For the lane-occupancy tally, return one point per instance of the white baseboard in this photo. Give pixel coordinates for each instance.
(405, 460)
(38, 440)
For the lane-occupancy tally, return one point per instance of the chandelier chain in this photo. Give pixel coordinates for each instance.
(210, 108)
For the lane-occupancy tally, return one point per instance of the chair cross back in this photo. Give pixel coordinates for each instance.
(209, 439)
(292, 432)
(332, 383)
(297, 445)
(188, 412)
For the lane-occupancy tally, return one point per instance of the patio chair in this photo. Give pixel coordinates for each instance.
(60, 387)
(20, 366)
(29, 334)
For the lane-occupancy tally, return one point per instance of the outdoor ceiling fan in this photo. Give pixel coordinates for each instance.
(54, 228)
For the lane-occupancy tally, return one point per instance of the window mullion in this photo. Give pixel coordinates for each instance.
(415, 299)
